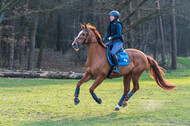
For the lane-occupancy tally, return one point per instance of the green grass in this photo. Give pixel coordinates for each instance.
(49, 102)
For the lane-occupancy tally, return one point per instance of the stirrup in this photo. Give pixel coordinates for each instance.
(116, 70)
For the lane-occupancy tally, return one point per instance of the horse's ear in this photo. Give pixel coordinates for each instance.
(85, 26)
(82, 26)
(88, 25)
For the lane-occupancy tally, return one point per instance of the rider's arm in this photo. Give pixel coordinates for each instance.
(118, 35)
(107, 35)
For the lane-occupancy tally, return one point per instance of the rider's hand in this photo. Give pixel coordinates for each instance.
(109, 38)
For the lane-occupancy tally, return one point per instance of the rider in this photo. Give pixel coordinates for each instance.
(114, 35)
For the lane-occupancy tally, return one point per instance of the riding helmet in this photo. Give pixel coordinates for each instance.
(114, 13)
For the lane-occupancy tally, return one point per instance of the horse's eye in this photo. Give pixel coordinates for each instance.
(83, 34)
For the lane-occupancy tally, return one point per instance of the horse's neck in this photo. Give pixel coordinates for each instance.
(95, 52)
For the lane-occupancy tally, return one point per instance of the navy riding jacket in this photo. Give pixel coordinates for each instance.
(114, 30)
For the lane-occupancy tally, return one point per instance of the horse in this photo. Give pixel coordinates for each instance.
(97, 66)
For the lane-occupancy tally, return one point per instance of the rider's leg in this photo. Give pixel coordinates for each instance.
(115, 61)
(117, 45)
(109, 43)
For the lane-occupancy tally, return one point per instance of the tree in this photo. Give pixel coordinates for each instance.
(23, 40)
(33, 37)
(161, 30)
(157, 38)
(163, 52)
(43, 41)
(1, 48)
(173, 36)
(11, 51)
(129, 39)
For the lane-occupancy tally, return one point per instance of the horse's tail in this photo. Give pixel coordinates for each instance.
(157, 74)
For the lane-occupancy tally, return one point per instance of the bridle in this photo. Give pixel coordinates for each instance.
(88, 31)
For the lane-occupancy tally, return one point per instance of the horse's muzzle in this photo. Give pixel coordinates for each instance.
(75, 46)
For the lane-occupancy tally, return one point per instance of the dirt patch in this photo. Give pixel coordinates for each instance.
(152, 105)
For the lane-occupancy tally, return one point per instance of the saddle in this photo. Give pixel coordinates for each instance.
(122, 56)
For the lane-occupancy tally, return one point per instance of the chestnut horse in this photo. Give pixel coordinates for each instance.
(97, 66)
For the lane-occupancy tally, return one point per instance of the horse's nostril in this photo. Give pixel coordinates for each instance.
(74, 45)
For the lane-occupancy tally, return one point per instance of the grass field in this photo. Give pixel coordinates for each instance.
(49, 102)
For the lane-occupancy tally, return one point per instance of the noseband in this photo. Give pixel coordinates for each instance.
(88, 31)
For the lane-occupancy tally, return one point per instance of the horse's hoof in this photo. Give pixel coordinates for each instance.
(99, 101)
(116, 109)
(124, 105)
(76, 100)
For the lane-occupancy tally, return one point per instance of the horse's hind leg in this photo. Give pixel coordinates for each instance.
(126, 96)
(135, 83)
(135, 79)
(96, 83)
(126, 83)
(84, 79)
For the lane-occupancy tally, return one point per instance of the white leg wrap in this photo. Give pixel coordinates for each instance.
(117, 106)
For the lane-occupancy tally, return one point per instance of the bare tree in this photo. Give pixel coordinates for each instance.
(162, 36)
(173, 36)
(157, 38)
(1, 48)
(129, 43)
(11, 51)
(33, 37)
(23, 40)
(43, 41)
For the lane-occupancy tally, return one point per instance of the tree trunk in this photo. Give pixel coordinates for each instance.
(23, 37)
(22, 48)
(43, 41)
(11, 55)
(5, 54)
(157, 38)
(1, 49)
(139, 36)
(11, 51)
(41, 74)
(129, 32)
(59, 33)
(32, 41)
(173, 36)
(59, 42)
(162, 37)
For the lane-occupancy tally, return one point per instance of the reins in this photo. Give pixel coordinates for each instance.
(90, 43)
(98, 41)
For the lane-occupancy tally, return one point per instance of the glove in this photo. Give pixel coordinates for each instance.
(109, 38)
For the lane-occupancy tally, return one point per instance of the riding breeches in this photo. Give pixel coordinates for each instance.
(117, 45)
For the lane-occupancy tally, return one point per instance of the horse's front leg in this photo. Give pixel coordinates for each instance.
(96, 83)
(84, 79)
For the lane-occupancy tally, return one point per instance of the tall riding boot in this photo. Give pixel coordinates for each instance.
(116, 70)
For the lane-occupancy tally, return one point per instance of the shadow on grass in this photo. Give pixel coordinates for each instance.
(108, 119)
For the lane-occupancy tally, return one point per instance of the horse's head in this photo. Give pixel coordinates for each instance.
(82, 38)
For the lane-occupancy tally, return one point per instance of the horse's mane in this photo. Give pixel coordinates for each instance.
(97, 34)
